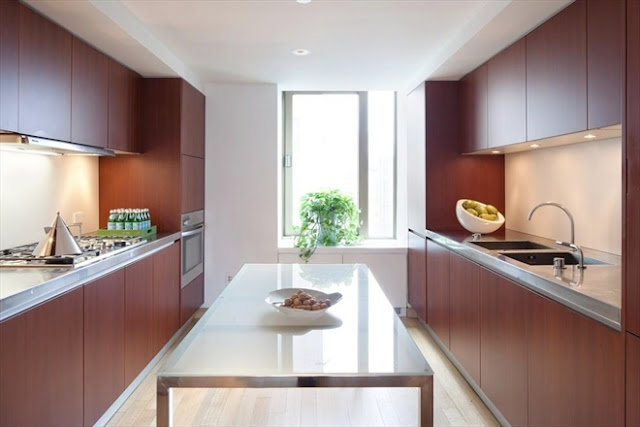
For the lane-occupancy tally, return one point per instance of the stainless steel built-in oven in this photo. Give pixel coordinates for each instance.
(192, 246)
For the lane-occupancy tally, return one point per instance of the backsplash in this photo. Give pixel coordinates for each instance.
(34, 187)
(585, 178)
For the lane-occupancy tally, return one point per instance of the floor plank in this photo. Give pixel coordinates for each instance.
(455, 402)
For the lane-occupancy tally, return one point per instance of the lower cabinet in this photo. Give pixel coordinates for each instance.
(464, 314)
(138, 317)
(438, 290)
(633, 380)
(576, 368)
(191, 298)
(417, 274)
(41, 364)
(503, 337)
(166, 295)
(103, 344)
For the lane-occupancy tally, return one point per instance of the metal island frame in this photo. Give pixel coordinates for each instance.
(244, 342)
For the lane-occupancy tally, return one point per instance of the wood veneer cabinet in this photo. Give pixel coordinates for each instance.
(464, 313)
(104, 344)
(9, 62)
(503, 338)
(507, 96)
(557, 74)
(138, 318)
(124, 108)
(438, 291)
(191, 298)
(575, 368)
(166, 295)
(604, 62)
(89, 95)
(633, 380)
(44, 107)
(41, 364)
(631, 168)
(192, 122)
(417, 274)
(473, 101)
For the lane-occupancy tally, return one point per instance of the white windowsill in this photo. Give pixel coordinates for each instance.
(374, 246)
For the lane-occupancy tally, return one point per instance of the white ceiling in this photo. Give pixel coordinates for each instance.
(359, 44)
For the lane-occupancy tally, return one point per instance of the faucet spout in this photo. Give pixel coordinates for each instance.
(557, 205)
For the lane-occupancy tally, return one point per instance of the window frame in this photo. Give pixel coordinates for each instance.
(363, 161)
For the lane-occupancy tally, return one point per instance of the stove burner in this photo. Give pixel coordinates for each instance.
(95, 249)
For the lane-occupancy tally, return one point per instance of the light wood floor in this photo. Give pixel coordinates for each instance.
(455, 403)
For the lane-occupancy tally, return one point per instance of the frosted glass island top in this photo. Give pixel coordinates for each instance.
(242, 341)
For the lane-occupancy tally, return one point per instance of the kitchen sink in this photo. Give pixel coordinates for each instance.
(546, 258)
(504, 245)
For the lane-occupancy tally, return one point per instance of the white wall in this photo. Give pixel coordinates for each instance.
(241, 180)
(586, 178)
(33, 187)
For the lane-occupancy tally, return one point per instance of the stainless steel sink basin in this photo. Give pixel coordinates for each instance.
(546, 258)
(503, 245)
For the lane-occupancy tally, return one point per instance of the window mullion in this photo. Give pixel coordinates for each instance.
(363, 163)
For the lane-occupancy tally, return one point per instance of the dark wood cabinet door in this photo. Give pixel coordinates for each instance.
(438, 290)
(507, 96)
(192, 183)
(103, 344)
(633, 381)
(604, 62)
(138, 318)
(191, 298)
(192, 121)
(44, 107)
(89, 95)
(557, 74)
(41, 371)
(473, 100)
(631, 170)
(9, 61)
(166, 295)
(503, 338)
(124, 104)
(576, 368)
(464, 313)
(417, 274)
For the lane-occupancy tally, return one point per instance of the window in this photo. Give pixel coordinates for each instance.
(346, 141)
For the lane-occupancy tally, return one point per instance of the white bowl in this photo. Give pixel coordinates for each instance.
(276, 299)
(474, 223)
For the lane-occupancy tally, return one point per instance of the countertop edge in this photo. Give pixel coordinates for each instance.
(593, 308)
(72, 279)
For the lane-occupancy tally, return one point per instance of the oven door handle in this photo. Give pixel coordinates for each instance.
(192, 232)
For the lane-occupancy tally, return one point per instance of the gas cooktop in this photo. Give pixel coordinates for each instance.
(95, 248)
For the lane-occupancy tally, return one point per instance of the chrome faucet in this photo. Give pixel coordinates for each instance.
(557, 205)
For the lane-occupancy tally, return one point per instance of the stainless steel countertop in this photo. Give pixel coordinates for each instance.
(24, 288)
(598, 296)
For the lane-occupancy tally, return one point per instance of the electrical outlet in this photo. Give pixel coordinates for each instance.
(228, 276)
(78, 217)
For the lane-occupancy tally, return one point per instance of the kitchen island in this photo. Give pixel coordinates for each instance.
(242, 341)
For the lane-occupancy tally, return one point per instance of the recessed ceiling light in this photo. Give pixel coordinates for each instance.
(495, 151)
(534, 145)
(301, 52)
(590, 136)
(303, 1)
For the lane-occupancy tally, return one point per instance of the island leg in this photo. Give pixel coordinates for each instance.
(163, 405)
(426, 403)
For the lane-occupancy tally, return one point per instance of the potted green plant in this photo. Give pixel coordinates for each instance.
(328, 218)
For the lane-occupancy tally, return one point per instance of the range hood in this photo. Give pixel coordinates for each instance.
(19, 142)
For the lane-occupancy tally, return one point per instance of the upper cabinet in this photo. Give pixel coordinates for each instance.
(604, 62)
(192, 121)
(507, 96)
(557, 74)
(89, 95)
(473, 102)
(44, 107)
(9, 46)
(124, 106)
